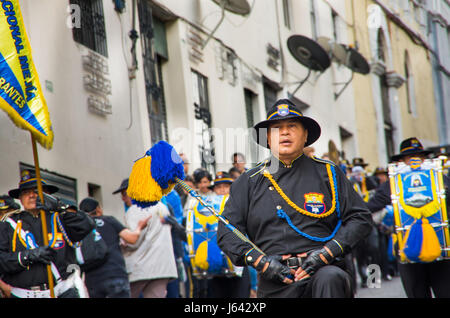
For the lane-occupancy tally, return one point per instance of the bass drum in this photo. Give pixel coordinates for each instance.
(420, 212)
(205, 256)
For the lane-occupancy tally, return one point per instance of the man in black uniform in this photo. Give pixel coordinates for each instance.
(23, 256)
(301, 212)
(7, 206)
(418, 279)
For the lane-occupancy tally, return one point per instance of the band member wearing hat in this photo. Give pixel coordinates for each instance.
(222, 183)
(418, 279)
(7, 207)
(301, 212)
(367, 251)
(23, 256)
(123, 192)
(239, 161)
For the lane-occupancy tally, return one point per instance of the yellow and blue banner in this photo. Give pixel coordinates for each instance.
(20, 91)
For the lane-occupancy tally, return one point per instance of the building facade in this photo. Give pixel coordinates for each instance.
(120, 75)
(397, 100)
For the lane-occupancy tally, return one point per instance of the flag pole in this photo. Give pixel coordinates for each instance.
(42, 212)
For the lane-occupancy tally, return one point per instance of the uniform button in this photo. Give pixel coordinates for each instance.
(270, 188)
(278, 207)
(249, 258)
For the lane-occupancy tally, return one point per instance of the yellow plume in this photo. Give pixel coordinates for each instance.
(141, 185)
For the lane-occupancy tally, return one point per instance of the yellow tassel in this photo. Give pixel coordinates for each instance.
(431, 248)
(168, 189)
(141, 185)
(201, 256)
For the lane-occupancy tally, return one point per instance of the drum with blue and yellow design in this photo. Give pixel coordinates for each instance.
(420, 212)
(205, 256)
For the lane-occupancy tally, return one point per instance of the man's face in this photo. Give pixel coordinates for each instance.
(125, 198)
(222, 188)
(287, 138)
(28, 199)
(382, 177)
(239, 163)
(407, 159)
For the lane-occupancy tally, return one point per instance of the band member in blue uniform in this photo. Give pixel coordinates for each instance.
(418, 279)
(302, 212)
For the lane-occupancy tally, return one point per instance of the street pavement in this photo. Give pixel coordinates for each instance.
(387, 289)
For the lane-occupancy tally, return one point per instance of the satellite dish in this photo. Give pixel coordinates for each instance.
(356, 62)
(308, 52)
(325, 43)
(240, 7)
(351, 59)
(340, 53)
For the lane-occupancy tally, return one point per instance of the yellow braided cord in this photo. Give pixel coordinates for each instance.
(296, 207)
(54, 230)
(364, 190)
(398, 223)
(14, 241)
(19, 229)
(444, 212)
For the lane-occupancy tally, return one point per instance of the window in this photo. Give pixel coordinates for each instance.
(249, 98)
(152, 74)
(95, 191)
(92, 33)
(381, 45)
(334, 19)
(203, 138)
(314, 31)
(287, 13)
(67, 186)
(270, 96)
(410, 92)
(271, 89)
(388, 125)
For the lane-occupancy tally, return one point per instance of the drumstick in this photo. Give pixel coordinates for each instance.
(220, 217)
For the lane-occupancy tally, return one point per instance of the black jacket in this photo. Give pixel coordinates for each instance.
(252, 208)
(77, 226)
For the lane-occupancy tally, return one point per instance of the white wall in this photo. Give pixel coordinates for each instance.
(87, 147)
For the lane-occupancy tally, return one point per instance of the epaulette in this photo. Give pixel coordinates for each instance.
(323, 161)
(259, 167)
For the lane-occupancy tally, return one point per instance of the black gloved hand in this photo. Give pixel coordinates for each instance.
(51, 203)
(42, 254)
(275, 271)
(317, 259)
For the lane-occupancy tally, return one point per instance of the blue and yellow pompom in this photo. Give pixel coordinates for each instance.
(209, 257)
(422, 244)
(153, 175)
